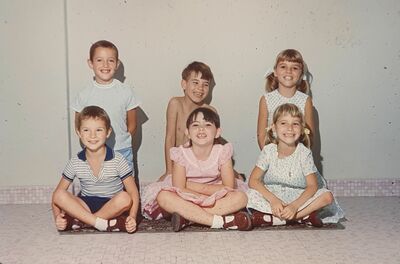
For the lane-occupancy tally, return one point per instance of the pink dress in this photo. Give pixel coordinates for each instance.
(207, 171)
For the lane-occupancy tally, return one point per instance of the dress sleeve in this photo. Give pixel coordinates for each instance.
(263, 160)
(226, 154)
(176, 155)
(307, 162)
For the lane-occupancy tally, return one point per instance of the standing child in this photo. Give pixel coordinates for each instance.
(117, 99)
(108, 189)
(292, 189)
(196, 79)
(202, 188)
(288, 83)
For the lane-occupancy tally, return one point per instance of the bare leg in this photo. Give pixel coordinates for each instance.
(172, 203)
(74, 206)
(322, 201)
(120, 203)
(231, 203)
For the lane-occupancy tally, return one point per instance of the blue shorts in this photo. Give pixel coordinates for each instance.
(128, 155)
(95, 203)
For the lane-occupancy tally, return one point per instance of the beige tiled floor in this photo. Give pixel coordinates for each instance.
(372, 235)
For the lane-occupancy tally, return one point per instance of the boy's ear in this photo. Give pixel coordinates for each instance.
(109, 132)
(218, 134)
(118, 63)
(183, 84)
(90, 63)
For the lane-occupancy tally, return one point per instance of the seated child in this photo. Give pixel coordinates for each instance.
(108, 190)
(202, 188)
(285, 186)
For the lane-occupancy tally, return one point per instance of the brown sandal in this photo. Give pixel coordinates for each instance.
(178, 222)
(241, 221)
(73, 223)
(313, 220)
(257, 219)
(119, 225)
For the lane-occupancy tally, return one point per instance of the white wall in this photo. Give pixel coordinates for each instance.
(351, 47)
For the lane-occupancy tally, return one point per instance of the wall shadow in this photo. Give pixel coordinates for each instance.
(316, 146)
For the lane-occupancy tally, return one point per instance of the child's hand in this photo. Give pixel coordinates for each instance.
(130, 224)
(61, 222)
(289, 212)
(277, 207)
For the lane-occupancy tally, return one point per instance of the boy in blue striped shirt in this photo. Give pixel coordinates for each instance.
(109, 198)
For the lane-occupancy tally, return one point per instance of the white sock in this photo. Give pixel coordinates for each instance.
(101, 224)
(277, 221)
(218, 222)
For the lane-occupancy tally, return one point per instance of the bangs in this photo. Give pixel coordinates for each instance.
(290, 55)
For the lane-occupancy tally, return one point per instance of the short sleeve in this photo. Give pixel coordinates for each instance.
(132, 100)
(79, 103)
(124, 169)
(176, 155)
(264, 159)
(226, 154)
(69, 171)
(307, 162)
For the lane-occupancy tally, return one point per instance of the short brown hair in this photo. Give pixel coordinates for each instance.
(93, 112)
(198, 67)
(102, 44)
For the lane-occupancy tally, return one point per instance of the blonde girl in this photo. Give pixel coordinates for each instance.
(285, 185)
(287, 83)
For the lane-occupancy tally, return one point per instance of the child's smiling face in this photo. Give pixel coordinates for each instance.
(288, 129)
(104, 65)
(202, 132)
(93, 133)
(288, 73)
(196, 88)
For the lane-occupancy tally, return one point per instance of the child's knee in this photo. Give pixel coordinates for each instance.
(123, 200)
(162, 198)
(239, 198)
(328, 198)
(59, 196)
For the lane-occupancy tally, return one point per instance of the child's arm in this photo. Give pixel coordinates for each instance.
(309, 117)
(262, 122)
(170, 133)
(179, 179)
(131, 121)
(291, 209)
(228, 180)
(58, 214)
(255, 182)
(131, 189)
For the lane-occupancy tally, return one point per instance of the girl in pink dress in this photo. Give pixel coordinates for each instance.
(203, 188)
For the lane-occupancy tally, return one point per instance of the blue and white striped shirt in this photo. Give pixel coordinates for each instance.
(109, 181)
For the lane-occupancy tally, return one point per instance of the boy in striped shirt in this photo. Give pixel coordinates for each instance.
(109, 198)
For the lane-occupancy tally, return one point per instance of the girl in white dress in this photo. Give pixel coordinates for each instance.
(285, 186)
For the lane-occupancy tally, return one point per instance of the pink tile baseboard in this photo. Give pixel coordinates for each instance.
(42, 194)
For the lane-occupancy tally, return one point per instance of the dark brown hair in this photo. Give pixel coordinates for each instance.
(198, 67)
(102, 44)
(93, 112)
